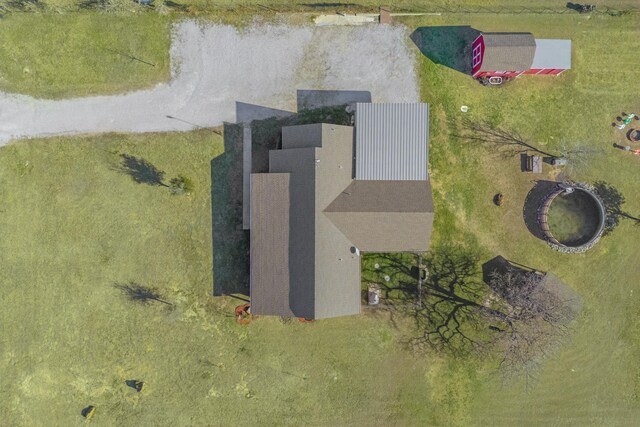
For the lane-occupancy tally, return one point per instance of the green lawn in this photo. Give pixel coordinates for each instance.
(67, 55)
(53, 54)
(288, 5)
(594, 379)
(73, 225)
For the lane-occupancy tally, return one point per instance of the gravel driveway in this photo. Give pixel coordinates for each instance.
(214, 66)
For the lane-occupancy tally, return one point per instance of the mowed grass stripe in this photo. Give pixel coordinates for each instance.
(69, 55)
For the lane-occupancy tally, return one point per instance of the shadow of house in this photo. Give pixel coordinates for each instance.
(310, 99)
(532, 203)
(447, 45)
(246, 113)
(230, 241)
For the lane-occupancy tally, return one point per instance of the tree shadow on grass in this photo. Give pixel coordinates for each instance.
(532, 203)
(447, 317)
(398, 267)
(613, 201)
(506, 142)
(140, 293)
(447, 45)
(230, 241)
(266, 134)
(399, 294)
(142, 171)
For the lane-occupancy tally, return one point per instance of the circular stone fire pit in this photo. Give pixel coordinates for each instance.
(572, 218)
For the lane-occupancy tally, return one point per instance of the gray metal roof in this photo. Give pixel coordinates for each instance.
(392, 141)
(552, 53)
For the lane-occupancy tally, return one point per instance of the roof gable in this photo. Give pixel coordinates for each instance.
(385, 216)
(384, 196)
(508, 51)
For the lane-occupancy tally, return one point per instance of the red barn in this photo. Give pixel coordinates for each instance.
(513, 54)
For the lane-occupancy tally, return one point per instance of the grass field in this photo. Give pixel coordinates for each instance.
(594, 379)
(66, 55)
(74, 224)
(292, 5)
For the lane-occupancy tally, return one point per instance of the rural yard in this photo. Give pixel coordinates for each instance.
(213, 66)
(119, 177)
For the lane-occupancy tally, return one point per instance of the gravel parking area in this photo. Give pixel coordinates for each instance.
(214, 66)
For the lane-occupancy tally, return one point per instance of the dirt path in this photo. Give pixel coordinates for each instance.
(214, 66)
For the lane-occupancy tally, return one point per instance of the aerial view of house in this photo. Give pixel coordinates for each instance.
(326, 200)
(292, 213)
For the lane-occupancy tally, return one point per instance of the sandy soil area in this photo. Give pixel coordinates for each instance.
(216, 65)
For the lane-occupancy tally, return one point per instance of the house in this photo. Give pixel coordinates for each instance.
(514, 54)
(331, 193)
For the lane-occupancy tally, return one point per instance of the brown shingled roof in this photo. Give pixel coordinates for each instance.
(508, 51)
(270, 244)
(385, 216)
(307, 215)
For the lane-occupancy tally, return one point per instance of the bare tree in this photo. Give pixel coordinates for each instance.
(510, 142)
(512, 317)
(531, 321)
(578, 155)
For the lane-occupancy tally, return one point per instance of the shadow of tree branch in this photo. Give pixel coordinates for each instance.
(512, 317)
(510, 142)
(141, 170)
(140, 293)
(613, 200)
